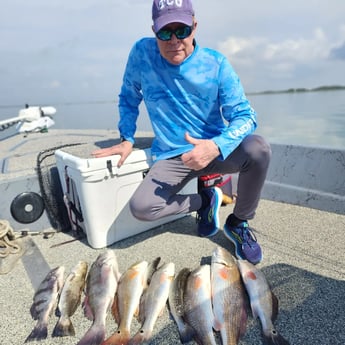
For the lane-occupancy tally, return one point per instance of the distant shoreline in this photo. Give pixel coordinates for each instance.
(267, 92)
(297, 90)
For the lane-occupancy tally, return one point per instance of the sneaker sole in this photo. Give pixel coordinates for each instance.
(234, 242)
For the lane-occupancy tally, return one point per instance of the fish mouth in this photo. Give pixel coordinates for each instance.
(219, 260)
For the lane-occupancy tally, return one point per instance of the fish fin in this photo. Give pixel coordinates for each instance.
(87, 310)
(137, 311)
(94, 336)
(254, 313)
(275, 307)
(162, 311)
(57, 312)
(243, 325)
(186, 333)
(40, 332)
(33, 312)
(140, 310)
(152, 267)
(118, 338)
(115, 310)
(216, 324)
(272, 337)
(63, 328)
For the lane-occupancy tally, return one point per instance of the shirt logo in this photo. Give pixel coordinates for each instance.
(238, 132)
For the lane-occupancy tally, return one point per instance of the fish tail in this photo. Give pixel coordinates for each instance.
(140, 337)
(186, 334)
(94, 336)
(63, 328)
(137, 339)
(118, 338)
(274, 338)
(40, 332)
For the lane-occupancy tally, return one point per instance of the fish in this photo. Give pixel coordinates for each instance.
(44, 302)
(153, 301)
(263, 302)
(198, 312)
(228, 297)
(130, 288)
(70, 298)
(176, 304)
(101, 285)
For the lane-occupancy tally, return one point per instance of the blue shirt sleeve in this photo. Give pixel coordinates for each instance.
(130, 96)
(240, 117)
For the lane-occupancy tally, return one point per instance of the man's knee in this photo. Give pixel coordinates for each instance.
(259, 149)
(141, 210)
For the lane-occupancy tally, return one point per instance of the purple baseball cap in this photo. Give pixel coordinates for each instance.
(165, 12)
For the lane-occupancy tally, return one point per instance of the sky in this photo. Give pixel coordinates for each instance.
(61, 51)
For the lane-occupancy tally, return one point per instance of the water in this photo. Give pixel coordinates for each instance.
(307, 118)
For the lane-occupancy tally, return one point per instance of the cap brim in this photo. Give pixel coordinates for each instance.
(159, 23)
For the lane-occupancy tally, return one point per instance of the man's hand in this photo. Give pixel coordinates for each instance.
(123, 149)
(203, 153)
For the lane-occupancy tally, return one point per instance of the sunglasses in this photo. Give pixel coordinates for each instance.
(181, 33)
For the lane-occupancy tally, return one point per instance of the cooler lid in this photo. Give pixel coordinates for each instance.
(93, 164)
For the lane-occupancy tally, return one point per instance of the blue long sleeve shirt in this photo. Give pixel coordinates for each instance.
(202, 96)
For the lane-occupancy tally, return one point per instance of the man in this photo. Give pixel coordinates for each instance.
(202, 122)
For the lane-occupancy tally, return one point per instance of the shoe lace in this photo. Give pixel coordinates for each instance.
(248, 236)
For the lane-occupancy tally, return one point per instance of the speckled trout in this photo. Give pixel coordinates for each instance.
(101, 286)
(69, 300)
(44, 302)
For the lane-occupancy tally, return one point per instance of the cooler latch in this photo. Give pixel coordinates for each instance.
(109, 166)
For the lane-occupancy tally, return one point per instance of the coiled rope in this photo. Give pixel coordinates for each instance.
(8, 243)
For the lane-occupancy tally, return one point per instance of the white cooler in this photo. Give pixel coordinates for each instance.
(100, 191)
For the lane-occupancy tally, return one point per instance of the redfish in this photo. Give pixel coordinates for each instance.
(176, 304)
(131, 286)
(263, 302)
(228, 297)
(198, 311)
(153, 301)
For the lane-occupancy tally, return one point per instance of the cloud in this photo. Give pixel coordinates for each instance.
(266, 62)
(249, 51)
(338, 52)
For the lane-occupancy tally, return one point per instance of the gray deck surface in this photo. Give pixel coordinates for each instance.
(304, 261)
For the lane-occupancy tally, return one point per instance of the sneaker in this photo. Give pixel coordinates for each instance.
(208, 217)
(246, 245)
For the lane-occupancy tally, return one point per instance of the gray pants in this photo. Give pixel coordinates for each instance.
(157, 196)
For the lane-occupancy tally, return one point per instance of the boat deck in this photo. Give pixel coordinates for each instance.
(303, 261)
